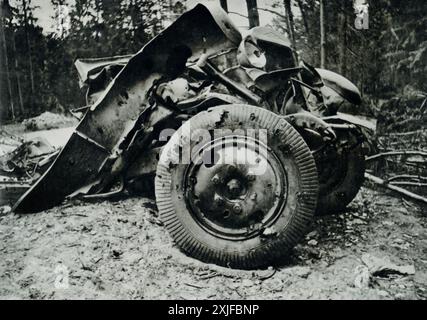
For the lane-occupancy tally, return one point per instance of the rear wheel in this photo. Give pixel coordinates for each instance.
(341, 175)
(244, 198)
(339, 158)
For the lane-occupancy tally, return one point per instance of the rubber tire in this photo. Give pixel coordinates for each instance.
(336, 200)
(294, 218)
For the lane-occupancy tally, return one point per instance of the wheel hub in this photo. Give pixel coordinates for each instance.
(235, 188)
(241, 192)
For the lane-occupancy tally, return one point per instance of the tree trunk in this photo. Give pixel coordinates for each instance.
(290, 27)
(252, 13)
(343, 39)
(304, 16)
(224, 5)
(18, 80)
(6, 61)
(30, 62)
(322, 36)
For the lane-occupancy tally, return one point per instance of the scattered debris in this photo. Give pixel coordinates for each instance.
(48, 120)
(5, 210)
(116, 254)
(193, 285)
(24, 160)
(382, 267)
(8, 142)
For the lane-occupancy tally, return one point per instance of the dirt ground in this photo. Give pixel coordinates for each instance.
(120, 250)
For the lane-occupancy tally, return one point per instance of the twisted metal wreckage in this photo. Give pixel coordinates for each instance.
(201, 72)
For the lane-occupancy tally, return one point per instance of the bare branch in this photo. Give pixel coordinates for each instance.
(407, 183)
(397, 189)
(407, 133)
(238, 14)
(274, 12)
(397, 153)
(407, 176)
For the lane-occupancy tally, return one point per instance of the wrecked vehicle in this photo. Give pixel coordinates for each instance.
(203, 90)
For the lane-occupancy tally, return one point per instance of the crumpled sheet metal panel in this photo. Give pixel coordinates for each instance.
(112, 117)
(341, 85)
(196, 29)
(79, 157)
(90, 67)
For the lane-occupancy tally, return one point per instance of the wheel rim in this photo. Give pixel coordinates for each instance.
(300, 189)
(235, 187)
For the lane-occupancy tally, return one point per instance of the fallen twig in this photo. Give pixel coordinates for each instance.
(396, 153)
(407, 183)
(407, 204)
(405, 192)
(421, 110)
(407, 133)
(407, 163)
(267, 276)
(209, 276)
(193, 285)
(407, 176)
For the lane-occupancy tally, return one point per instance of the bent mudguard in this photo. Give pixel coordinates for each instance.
(77, 163)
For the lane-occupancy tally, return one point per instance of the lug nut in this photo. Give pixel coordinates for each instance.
(215, 179)
(218, 200)
(237, 208)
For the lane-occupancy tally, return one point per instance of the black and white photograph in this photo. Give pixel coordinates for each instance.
(220, 150)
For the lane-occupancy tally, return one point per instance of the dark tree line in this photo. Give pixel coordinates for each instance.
(37, 67)
(383, 59)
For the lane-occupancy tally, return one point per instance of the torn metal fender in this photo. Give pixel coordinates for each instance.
(344, 87)
(361, 121)
(275, 45)
(318, 78)
(103, 133)
(90, 69)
